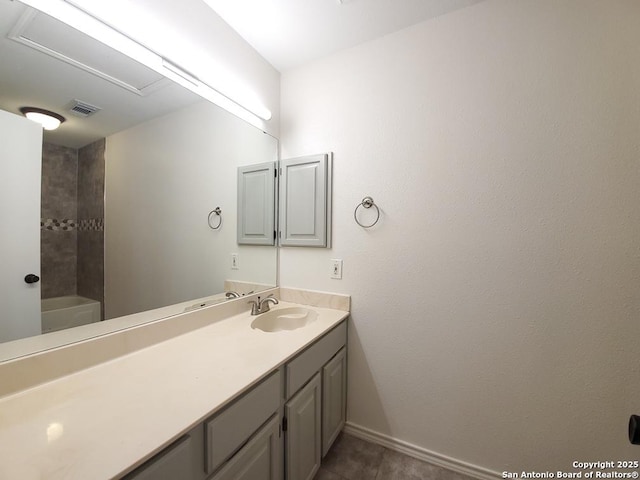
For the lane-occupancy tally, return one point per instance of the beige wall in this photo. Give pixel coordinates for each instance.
(496, 305)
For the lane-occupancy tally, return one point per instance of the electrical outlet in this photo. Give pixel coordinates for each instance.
(235, 262)
(336, 268)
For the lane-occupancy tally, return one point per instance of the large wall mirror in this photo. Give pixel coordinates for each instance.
(135, 202)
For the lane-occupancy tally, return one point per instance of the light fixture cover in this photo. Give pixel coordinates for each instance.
(80, 18)
(48, 120)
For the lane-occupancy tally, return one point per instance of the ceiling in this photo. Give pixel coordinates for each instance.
(47, 64)
(289, 33)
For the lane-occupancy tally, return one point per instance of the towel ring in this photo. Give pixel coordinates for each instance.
(218, 212)
(367, 202)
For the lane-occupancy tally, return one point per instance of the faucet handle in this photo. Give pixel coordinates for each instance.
(264, 304)
(255, 306)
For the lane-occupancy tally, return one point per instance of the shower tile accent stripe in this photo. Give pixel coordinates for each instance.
(85, 225)
(72, 221)
(91, 225)
(54, 224)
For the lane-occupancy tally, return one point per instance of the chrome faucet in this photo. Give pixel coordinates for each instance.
(232, 295)
(262, 306)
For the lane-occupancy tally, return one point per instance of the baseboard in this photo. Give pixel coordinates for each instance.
(420, 453)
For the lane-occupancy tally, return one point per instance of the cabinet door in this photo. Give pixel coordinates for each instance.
(259, 459)
(303, 435)
(256, 204)
(230, 429)
(305, 205)
(305, 365)
(334, 396)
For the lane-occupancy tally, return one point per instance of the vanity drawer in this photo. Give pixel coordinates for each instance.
(182, 459)
(304, 366)
(229, 429)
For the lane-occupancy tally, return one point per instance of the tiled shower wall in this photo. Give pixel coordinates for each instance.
(72, 211)
(59, 207)
(91, 225)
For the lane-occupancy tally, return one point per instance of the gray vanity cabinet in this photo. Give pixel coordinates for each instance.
(303, 439)
(240, 440)
(183, 459)
(243, 441)
(315, 387)
(250, 439)
(259, 459)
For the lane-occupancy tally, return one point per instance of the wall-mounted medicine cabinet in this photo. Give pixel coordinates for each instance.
(257, 204)
(304, 192)
(305, 201)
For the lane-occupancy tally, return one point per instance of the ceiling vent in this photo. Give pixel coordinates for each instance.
(83, 109)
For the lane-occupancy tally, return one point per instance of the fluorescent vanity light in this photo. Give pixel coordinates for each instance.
(91, 26)
(48, 120)
(94, 28)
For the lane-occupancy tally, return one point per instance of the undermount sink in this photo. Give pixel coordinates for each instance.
(281, 319)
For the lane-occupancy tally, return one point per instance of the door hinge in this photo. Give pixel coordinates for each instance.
(274, 235)
(275, 173)
(284, 424)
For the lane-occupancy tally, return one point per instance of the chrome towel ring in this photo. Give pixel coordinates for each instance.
(218, 212)
(367, 202)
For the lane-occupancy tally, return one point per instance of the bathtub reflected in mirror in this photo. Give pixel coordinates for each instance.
(69, 311)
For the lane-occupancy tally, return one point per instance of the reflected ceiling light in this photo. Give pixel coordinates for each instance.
(94, 28)
(54, 431)
(48, 120)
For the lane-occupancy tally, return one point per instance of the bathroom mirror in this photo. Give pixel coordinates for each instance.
(137, 233)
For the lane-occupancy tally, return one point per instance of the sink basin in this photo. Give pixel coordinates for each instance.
(281, 319)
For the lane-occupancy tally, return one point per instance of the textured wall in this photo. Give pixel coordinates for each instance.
(58, 237)
(496, 304)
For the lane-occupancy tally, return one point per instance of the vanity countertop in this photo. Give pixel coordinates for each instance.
(100, 422)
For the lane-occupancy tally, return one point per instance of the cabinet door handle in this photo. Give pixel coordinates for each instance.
(31, 278)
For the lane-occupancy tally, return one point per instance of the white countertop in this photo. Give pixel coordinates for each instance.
(100, 422)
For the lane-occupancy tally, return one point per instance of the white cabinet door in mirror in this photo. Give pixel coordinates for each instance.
(256, 204)
(305, 205)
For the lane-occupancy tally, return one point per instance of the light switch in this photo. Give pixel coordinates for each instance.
(235, 262)
(336, 268)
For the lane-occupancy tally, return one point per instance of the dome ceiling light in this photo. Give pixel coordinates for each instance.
(48, 120)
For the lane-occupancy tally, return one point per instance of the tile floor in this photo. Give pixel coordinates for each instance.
(353, 459)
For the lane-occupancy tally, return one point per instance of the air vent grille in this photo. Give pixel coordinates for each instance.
(83, 109)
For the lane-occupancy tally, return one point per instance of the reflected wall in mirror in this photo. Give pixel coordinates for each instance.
(126, 191)
(164, 177)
